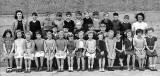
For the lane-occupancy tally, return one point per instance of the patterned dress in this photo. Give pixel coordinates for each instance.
(80, 45)
(110, 43)
(91, 48)
(30, 48)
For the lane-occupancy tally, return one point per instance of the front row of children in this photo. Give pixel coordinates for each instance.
(135, 47)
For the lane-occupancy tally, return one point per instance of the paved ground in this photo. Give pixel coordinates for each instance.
(85, 73)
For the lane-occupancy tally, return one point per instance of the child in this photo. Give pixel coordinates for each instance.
(7, 49)
(76, 31)
(60, 55)
(66, 32)
(117, 26)
(47, 24)
(71, 48)
(28, 53)
(55, 33)
(103, 29)
(139, 43)
(19, 47)
(151, 46)
(39, 51)
(129, 49)
(80, 45)
(86, 21)
(91, 29)
(68, 23)
(120, 49)
(59, 22)
(96, 21)
(111, 46)
(78, 21)
(49, 46)
(34, 25)
(91, 50)
(101, 51)
(107, 22)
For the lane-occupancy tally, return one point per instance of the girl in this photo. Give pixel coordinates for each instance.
(80, 45)
(68, 23)
(34, 25)
(129, 49)
(49, 46)
(96, 21)
(19, 47)
(19, 23)
(59, 22)
(91, 50)
(60, 55)
(86, 21)
(107, 22)
(71, 48)
(139, 46)
(39, 51)
(78, 21)
(120, 49)
(28, 53)
(151, 46)
(101, 51)
(7, 49)
(110, 44)
(55, 33)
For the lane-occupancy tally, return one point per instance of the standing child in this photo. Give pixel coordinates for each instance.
(151, 46)
(71, 48)
(91, 50)
(68, 23)
(59, 22)
(66, 32)
(101, 47)
(103, 29)
(7, 49)
(55, 33)
(28, 54)
(107, 22)
(96, 21)
(120, 49)
(111, 46)
(129, 49)
(19, 47)
(139, 43)
(78, 21)
(60, 55)
(34, 25)
(80, 45)
(49, 46)
(39, 51)
(86, 21)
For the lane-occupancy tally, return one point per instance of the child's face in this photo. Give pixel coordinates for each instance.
(115, 17)
(19, 34)
(28, 36)
(139, 34)
(100, 37)
(19, 15)
(91, 28)
(78, 27)
(140, 18)
(150, 32)
(111, 33)
(54, 29)
(8, 35)
(129, 34)
(86, 15)
(106, 16)
(34, 17)
(78, 16)
(103, 27)
(80, 36)
(61, 35)
(71, 38)
(65, 29)
(118, 36)
(96, 16)
(68, 17)
(90, 35)
(59, 17)
(38, 36)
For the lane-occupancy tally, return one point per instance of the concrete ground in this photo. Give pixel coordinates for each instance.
(84, 73)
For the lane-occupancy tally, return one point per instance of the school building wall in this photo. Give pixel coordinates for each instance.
(151, 8)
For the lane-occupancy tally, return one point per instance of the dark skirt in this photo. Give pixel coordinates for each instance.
(151, 54)
(120, 54)
(79, 53)
(99, 55)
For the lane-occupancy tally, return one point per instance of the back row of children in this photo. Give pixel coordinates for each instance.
(79, 42)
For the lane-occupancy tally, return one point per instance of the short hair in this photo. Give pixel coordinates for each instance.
(17, 11)
(7, 31)
(141, 15)
(59, 14)
(79, 13)
(34, 14)
(149, 29)
(115, 14)
(38, 32)
(68, 13)
(95, 13)
(126, 16)
(139, 31)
